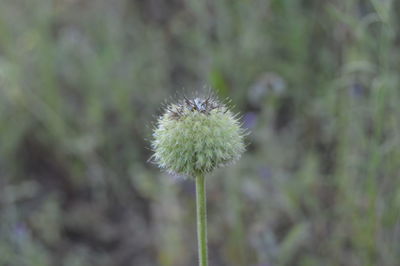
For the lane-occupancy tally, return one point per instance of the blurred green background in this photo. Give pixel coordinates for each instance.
(317, 82)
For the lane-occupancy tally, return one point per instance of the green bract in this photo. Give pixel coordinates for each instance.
(196, 136)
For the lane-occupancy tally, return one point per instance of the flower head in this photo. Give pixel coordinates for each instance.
(196, 136)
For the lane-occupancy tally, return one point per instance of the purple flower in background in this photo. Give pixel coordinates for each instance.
(20, 232)
(357, 90)
(249, 120)
(265, 173)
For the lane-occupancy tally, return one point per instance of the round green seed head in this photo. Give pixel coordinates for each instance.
(196, 136)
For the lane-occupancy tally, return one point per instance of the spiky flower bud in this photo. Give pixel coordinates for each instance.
(196, 136)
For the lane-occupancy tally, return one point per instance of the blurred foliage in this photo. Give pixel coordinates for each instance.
(317, 83)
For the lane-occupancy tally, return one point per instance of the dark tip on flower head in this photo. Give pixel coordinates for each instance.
(198, 104)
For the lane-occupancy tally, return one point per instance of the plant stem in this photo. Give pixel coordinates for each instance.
(201, 219)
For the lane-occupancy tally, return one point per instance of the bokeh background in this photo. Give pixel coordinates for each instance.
(317, 82)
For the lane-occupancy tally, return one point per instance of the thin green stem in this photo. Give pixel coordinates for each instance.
(201, 219)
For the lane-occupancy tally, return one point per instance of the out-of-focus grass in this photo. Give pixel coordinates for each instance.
(317, 82)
